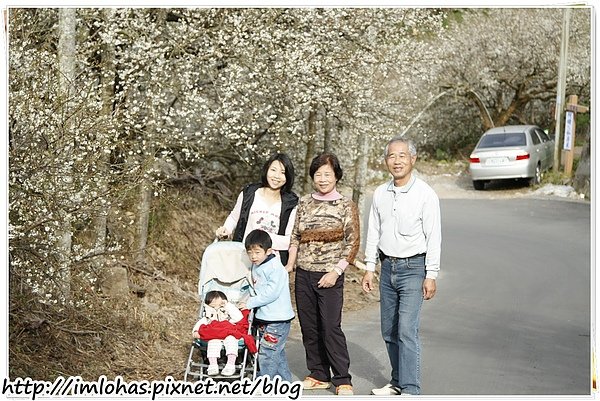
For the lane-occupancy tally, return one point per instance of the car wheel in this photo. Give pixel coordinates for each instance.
(478, 185)
(537, 178)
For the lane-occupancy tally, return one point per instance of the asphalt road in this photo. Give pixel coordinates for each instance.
(512, 312)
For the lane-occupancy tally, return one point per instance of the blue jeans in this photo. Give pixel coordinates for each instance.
(401, 289)
(272, 360)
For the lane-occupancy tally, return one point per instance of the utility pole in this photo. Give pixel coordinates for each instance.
(560, 87)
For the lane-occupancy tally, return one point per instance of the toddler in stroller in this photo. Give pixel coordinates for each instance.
(218, 309)
(224, 282)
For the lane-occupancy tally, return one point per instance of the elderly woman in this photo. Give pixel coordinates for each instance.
(325, 240)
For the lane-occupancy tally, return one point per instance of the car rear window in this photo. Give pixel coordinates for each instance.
(502, 140)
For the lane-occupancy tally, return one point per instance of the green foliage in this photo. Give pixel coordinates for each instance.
(583, 121)
(454, 16)
(575, 164)
(441, 154)
(555, 178)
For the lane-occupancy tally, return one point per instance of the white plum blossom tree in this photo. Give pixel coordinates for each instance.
(500, 66)
(163, 93)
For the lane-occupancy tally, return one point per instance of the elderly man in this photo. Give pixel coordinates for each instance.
(404, 231)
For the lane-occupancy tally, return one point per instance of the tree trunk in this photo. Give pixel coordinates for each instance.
(327, 133)
(145, 187)
(66, 62)
(310, 150)
(143, 220)
(483, 111)
(361, 165)
(107, 81)
(360, 182)
(517, 103)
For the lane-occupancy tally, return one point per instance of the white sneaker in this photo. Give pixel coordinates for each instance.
(388, 389)
(228, 370)
(212, 370)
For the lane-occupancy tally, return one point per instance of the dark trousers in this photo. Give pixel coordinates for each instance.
(320, 316)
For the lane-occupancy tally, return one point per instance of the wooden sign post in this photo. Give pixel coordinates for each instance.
(572, 108)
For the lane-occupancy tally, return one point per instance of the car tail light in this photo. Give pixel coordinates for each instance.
(474, 160)
(523, 157)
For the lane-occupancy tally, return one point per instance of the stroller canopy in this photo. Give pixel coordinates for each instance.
(226, 262)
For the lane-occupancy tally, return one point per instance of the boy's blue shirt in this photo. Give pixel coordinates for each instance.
(272, 286)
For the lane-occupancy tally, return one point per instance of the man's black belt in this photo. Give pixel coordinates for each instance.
(383, 256)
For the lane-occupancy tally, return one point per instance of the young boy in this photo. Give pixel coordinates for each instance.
(273, 305)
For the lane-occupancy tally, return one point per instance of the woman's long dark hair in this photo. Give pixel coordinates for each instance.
(289, 171)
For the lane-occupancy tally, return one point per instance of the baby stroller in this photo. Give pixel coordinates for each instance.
(225, 267)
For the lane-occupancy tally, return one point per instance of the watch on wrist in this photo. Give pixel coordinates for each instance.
(338, 271)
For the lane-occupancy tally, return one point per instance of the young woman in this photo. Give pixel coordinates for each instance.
(325, 240)
(269, 206)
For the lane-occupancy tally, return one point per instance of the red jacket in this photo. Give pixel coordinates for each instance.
(219, 330)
